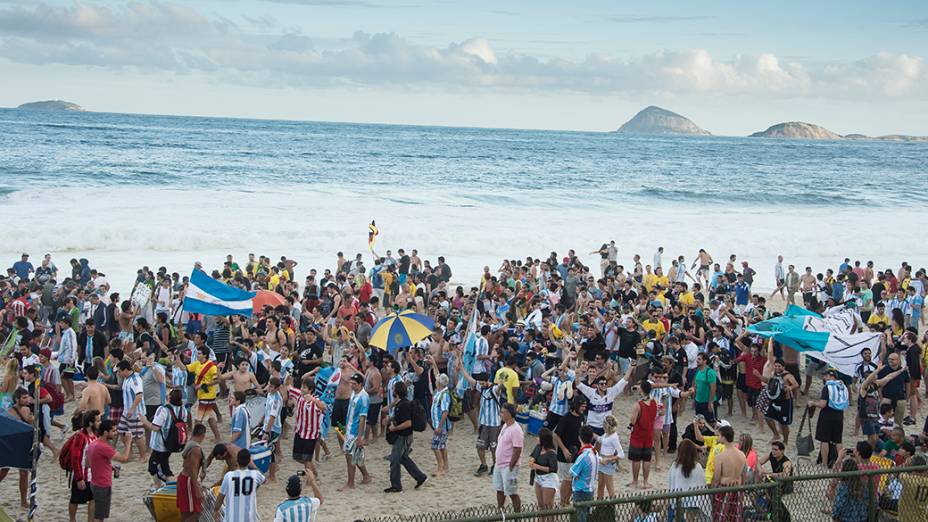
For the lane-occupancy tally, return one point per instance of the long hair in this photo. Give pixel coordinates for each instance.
(686, 457)
(546, 438)
(854, 483)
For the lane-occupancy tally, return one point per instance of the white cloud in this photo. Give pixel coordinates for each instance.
(164, 37)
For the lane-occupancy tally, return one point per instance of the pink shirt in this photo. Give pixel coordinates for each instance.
(100, 461)
(510, 437)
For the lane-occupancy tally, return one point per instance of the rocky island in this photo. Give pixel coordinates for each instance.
(51, 105)
(797, 130)
(655, 120)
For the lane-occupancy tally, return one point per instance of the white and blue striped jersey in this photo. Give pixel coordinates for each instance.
(391, 395)
(179, 381)
(240, 488)
(560, 404)
(441, 403)
(489, 406)
(272, 405)
(303, 509)
(131, 387)
(241, 424)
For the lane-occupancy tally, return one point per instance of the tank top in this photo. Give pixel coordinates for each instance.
(368, 387)
(643, 430)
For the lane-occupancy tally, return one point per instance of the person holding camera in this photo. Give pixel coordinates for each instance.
(298, 508)
(100, 456)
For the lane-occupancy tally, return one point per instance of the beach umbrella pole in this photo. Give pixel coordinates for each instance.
(33, 474)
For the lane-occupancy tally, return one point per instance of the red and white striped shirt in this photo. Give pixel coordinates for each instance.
(307, 422)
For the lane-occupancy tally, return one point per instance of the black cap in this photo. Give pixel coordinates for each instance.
(357, 378)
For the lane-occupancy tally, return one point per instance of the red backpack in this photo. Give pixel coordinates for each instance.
(72, 450)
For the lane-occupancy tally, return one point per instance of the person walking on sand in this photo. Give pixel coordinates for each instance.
(355, 424)
(189, 489)
(441, 407)
(99, 457)
(400, 432)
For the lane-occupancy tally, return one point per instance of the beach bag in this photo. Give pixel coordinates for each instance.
(176, 437)
(419, 420)
(804, 443)
(837, 395)
(57, 404)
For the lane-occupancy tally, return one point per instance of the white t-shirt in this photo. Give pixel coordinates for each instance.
(691, 352)
(240, 488)
(610, 446)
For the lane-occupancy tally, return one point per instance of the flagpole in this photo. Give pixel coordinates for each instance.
(33, 475)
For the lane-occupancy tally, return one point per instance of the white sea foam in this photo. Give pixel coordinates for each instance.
(121, 229)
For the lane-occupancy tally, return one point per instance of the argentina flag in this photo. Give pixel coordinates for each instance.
(208, 296)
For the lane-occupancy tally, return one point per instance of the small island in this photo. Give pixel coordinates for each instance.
(52, 105)
(797, 130)
(655, 120)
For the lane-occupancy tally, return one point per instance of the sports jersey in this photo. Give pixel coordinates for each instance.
(441, 404)
(179, 381)
(584, 471)
(163, 420)
(131, 387)
(600, 405)
(391, 394)
(272, 405)
(489, 406)
(357, 408)
(240, 489)
(303, 509)
(209, 378)
(663, 397)
(560, 404)
(241, 424)
(307, 422)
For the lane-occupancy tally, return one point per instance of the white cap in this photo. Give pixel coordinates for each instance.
(723, 423)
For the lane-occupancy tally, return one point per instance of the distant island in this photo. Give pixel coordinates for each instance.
(799, 130)
(655, 120)
(51, 105)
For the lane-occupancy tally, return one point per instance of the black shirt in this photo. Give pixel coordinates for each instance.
(894, 389)
(628, 342)
(401, 414)
(547, 459)
(568, 430)
(913, 355)
(690, 434)
(404, 265)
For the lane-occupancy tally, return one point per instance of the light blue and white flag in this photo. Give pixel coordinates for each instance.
(208, 296)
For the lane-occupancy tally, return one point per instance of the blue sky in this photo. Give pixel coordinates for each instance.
(733, 67)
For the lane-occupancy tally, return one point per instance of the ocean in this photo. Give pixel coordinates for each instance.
(127, 190)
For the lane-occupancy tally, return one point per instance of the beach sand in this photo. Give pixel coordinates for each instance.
(459, 490)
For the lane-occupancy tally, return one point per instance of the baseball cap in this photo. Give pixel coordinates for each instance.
(45, 352)
(566, 260)
(723, 423)
(357, 378)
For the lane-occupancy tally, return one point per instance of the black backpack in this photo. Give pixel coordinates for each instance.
(419, 422)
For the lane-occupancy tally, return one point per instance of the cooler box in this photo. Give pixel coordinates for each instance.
(522, 417)
(536, 421)
(261, 455)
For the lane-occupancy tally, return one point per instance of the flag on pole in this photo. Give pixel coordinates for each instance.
(372, 233)
(208, 296)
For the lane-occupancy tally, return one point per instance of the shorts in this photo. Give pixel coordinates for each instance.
(829, 429)
(440, 440)
(206, 411)
(101, 501)
(67, 371)
(563, 472)
(467, 403)
(506, 480)
(303, 449)
(599, 431)
(814, 367)
(547, 481)
(780, 412)
(80, 496)
(870, 427)
(357, 453)
(373, 413)
(340, 412)
(486, 436)
(725, 390)
(115, 412)
(640, 454)
(752, 397)
(742, 383)
(131, 426)
(607, 469)
(187, 501)
(159, 465)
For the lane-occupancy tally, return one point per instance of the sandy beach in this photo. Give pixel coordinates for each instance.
(459, 490)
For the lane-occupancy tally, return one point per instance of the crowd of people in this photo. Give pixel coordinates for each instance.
(551, 336)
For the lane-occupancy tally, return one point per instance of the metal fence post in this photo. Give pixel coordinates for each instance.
(677, 511)
(776, 499)
(871, 499)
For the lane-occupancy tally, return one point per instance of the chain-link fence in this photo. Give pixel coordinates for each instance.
(869, 495)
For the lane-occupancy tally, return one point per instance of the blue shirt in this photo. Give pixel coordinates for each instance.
(272, 409)
(23, 269)
(241, 426)
(357, 408)
(559, 406)
(584, 471)
(742, 293)
(489, 406)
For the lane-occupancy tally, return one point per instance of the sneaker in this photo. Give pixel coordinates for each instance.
(481, 471)
(908, 421)
(392, 489)
(419, 483)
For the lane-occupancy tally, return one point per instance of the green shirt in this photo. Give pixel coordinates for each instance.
(704, 380)
(75, 319)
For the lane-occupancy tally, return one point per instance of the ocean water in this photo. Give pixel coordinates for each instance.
(131, 190)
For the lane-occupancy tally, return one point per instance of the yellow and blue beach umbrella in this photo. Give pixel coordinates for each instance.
(401, 330)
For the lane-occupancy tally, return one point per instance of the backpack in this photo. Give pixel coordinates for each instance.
(176, 437)
(57, 403)
(419, 422)
(774, 388)
(194, 324)
(73, 446)
(837, 395)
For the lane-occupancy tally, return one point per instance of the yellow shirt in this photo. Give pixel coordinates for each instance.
(714, 451)
(688, 299)
(387, 282)
(649, 281)
(657, 326)
(209, 379)
(510, 380)
(663, 281)
(875, 318)
(913, 504)
(273, 282)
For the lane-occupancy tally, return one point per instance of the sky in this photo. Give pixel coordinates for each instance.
(733, 67)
